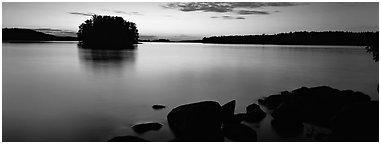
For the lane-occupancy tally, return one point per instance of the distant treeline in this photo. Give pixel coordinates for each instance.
(156, 40)
(18, 34)
(300, 38)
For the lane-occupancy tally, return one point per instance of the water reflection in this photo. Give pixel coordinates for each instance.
(106, 61)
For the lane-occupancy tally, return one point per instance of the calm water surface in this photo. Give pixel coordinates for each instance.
(57, 92)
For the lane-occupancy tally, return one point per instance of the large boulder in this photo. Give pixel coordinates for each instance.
(255, 113)
(197, 122)
(239, 132)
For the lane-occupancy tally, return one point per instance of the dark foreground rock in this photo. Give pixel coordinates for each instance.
(239, 132)
(255, 113)
(238, 118)
(357, 123)
(197, 122)
(144, 127)
(157, 106)
(228, 110)
(287, 128)
(273, 101)
(349, 114)
(316, 105)
(127, 139)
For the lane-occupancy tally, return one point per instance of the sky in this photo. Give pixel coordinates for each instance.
(194, 20)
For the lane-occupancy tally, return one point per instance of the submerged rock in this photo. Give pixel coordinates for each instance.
(255, 113)
(127, 139)
(239, 132)
(144, 127)
(197, 122)
(157, 106)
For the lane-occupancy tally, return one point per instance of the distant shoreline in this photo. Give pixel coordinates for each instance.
(301, 38)
(74, 41)
(327, 38)
(322, 45)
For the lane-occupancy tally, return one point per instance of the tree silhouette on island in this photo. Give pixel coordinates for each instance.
(107, 32)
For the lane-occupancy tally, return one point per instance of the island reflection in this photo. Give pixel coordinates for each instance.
(106, 61)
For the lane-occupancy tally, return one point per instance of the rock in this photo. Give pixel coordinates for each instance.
(240, 132)
(237, 118)
(357, 123)
(291, 111)
(144, 127)
(255, 113)
(197, 122)
(157, 106)
(127, 139)
(273, 101)
(228, 110)
(287, 128)
(350, 96)
(316, 105)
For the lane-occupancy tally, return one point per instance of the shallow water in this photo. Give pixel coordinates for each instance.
(55, 91)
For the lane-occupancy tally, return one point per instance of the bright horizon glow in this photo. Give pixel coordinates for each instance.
(152, 19)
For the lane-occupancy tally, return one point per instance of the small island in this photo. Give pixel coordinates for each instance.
(107, 32)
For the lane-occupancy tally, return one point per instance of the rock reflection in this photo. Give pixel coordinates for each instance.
(106, 61)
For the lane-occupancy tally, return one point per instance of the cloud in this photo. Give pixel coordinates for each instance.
(81, 13)
(227, 17)
(222, 7)
(135, 13)
(200, 6)
(249, 12)
(122, 12)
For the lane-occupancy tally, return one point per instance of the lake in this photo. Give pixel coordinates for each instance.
(54, 91)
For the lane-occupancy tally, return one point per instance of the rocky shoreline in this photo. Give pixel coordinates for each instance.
(346, 114)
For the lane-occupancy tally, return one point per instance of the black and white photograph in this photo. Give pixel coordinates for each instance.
(213, 71)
